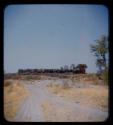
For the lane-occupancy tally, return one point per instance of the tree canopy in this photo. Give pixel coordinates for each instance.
(100, 50)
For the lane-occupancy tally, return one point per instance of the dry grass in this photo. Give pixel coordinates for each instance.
(48, 108)
(87, 78)
(53, 113)
(89, 96)
(14, 92)
(7, 83)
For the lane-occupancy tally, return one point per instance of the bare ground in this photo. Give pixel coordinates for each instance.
(45, 101)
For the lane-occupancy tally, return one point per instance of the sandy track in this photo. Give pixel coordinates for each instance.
(31, 107)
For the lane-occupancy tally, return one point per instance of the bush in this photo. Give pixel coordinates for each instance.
(7, 83)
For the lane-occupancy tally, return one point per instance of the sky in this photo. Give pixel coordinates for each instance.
(51, 36)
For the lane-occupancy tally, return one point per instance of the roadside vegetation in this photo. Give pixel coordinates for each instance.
(94, 96)
(14, 92)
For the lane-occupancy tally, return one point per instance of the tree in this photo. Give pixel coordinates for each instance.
(66, 67)
(99, 63)
(81, 68)
(100, 50)
(72, 67)
(61, 68)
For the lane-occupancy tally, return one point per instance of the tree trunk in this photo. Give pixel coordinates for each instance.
(104, 59)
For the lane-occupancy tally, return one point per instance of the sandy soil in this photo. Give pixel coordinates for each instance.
(43, 104)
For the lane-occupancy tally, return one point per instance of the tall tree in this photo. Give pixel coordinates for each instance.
(66, 67)
(72, 66)
(100, 50)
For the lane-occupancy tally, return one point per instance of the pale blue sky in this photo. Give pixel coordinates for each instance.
(50, 36)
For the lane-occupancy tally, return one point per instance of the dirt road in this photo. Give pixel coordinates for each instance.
(31, 108)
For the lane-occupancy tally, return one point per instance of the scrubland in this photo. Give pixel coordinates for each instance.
(47, 98)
